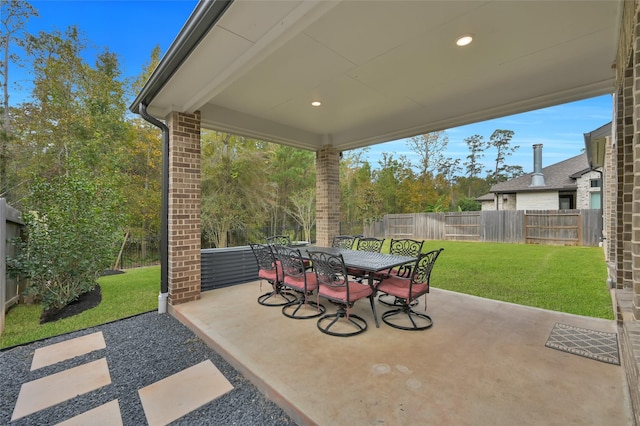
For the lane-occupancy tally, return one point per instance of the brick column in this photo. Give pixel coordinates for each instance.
(635, 158)
(624, 166)
(609, 195)
(184, 207)
(327, 195)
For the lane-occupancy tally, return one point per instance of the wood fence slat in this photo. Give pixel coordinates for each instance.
(578, 227)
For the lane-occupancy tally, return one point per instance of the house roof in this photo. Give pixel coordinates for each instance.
(383, 70)
(486, 197)
(595, 145)
(558, 176)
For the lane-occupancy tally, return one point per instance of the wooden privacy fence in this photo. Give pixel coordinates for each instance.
(559, 227)
(10, 227)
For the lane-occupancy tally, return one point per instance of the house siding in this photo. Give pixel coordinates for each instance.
(539, 200)
(488, 205)
(583, 198)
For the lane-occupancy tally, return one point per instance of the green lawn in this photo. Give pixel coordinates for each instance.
(566, 279)
(123, 295)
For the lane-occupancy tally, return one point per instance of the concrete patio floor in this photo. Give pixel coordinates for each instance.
(482, 363)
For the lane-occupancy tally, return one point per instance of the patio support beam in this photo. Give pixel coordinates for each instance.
(327, 195)
(184, 207)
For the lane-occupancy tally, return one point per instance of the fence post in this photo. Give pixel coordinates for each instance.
(579, 220)
(3, 262)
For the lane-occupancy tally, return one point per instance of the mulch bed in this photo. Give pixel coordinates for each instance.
(85, 301)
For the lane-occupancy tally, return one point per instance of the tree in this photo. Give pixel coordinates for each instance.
(14, 15)
(13, 19)
(358, 198)
(54, 124)
(291, 170)
(72, 225)
(501, 141)
(75, 109)
(235, 186)
(477, 146)
(430, 149)
(303, 210)
(387, 181)
(142, 165)
(448, 170)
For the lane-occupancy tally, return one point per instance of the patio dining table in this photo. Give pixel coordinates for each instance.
(364, 260)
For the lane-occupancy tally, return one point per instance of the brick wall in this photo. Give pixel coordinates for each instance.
(184, 207)
(624, 190)
(584, 190)
(327, 195)
(632, 175)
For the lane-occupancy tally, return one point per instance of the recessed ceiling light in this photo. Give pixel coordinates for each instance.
(464, 40)
(316, 103)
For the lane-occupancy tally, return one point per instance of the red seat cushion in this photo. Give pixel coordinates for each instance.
(298, 282)
(269, 275)
(399, 287)
(356, 291)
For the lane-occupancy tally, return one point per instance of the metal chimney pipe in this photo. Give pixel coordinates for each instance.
(537, 179)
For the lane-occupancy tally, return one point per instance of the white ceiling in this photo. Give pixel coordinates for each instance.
(385, 70)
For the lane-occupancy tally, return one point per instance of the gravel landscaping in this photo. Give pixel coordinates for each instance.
(140, 350)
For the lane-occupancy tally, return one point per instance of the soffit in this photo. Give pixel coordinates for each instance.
(385, 70)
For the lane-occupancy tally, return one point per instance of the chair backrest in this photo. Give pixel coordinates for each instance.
(343, 241)
(330, 270)
(282, 240)
(264, 256)
(406, 247)
(422, 271)
(370, 244)
(291, 261)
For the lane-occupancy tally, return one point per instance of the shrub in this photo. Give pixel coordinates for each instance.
(71, 230)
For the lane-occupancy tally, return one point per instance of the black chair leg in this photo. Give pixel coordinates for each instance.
(353, 321)
(277, 297)
(424, 320)
(388, 300)
(296, 309)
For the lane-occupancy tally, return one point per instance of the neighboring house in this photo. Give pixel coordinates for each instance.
(569, 184)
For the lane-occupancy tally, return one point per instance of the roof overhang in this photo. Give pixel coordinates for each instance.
(383, 70)
(595, 143)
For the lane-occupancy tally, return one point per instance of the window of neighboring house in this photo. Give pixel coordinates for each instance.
(566, 202)
(596, 183)
(594, 200)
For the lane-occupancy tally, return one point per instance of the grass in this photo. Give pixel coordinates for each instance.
(123, 295)
(565, 279)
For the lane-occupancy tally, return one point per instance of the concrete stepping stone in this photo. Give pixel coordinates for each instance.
(171, 398)
(105, 415)
(56, 388)
(68, 349)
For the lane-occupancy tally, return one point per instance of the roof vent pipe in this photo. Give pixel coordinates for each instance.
(538, 178)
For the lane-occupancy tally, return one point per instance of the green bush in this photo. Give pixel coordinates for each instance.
(71, 235)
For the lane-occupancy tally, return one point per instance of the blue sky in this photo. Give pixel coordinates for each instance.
(131, 29)
(559, 129)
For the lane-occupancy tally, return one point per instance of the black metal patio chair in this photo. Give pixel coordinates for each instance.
(269, 270)
(369, 244)
(282, 240)
(334, 285)
(400, 247)
(298, 278)
(407, 290)
(343, 241)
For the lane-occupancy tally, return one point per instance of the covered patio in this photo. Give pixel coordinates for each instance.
(330, 76)
(483, 362)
